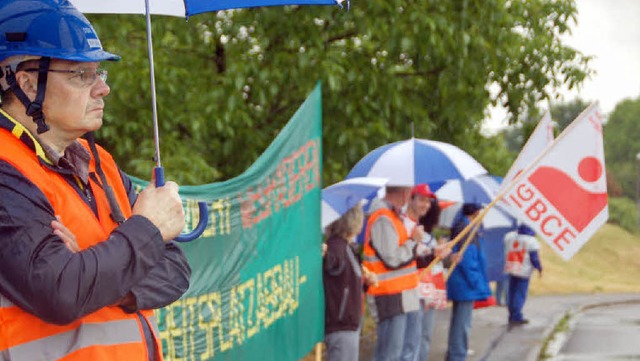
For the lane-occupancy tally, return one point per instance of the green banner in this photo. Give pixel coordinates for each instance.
(256, 284)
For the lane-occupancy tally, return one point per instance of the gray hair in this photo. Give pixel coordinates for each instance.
(349, 224)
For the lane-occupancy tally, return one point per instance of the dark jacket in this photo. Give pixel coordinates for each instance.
(31, 253)
(468, 281)
(342, 287)
(22, 203)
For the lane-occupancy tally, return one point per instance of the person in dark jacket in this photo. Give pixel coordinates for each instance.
(467, 283)
(343, 286)
(83, 259)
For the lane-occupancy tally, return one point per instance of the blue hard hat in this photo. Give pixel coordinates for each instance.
(48, 28)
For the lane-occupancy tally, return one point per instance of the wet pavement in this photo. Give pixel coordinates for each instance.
(493, 340)
(610, 332)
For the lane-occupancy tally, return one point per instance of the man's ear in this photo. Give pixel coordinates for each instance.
(28, 83)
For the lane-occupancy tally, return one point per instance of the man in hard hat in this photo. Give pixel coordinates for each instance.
(83, 260)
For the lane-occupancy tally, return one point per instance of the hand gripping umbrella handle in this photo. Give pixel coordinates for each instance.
(202, 207)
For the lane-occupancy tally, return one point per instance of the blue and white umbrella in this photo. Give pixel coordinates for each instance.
(481, 189)
(183, 8)
(415, 161)
(338, 198)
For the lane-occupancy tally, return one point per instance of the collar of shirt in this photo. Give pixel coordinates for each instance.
(388, 204)
(75, 158)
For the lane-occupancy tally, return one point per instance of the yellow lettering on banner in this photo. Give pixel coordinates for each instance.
(190, 318)
(235, 318)
(208, 317)
(261, 310)
(289, 287)
(254, 313)
(267, 299)
(197, 328)
(249, 300)
(226, 341)
(273, 279)
(219, 217)
(190, 212)
(224, 212)
(175, 332)
(166, 315)
(238, 325)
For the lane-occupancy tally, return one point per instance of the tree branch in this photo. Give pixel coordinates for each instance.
(433, 71)
(346, 35)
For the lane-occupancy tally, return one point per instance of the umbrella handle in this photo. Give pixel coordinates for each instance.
(202, 207)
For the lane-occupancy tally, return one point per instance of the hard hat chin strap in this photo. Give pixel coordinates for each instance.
(34, 108)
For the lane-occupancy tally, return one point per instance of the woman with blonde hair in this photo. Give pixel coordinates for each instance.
(343, 287)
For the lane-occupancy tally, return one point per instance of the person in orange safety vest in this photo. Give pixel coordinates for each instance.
(389, 252)
(84, 260)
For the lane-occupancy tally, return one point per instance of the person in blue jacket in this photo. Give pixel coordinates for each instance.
(467, 283)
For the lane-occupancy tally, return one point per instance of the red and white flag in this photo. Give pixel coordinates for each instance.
(563, 194)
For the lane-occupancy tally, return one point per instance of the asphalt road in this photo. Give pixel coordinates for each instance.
(602, 327)
(610, 332)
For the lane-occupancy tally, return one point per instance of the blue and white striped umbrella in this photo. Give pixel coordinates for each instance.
(183, 8)
(338, 198)
(415, 161)
(481, 189)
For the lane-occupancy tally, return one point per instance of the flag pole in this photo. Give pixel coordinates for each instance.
(464, 247)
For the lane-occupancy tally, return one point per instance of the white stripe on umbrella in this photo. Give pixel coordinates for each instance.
(415, 161)
(481, 189)
(182, 8)
(338, 198)
(497, 217)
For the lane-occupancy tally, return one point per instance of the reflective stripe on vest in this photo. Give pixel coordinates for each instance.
(390, 281)
(107, 334)
(112, 333)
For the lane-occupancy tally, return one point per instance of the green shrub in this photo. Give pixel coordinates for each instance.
(624, 212)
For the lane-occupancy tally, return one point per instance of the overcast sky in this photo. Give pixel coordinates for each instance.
(609, 30)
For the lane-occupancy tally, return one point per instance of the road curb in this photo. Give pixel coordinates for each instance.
(572, 312)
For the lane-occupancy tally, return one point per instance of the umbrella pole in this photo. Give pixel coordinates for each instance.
(152, 78)
(158, 171)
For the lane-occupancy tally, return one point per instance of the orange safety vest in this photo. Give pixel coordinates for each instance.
(390, 281)
(107, 334)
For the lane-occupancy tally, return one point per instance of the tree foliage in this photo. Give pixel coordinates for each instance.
(621, 146)
(227, 82)
(624, 212)
(564, 113)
